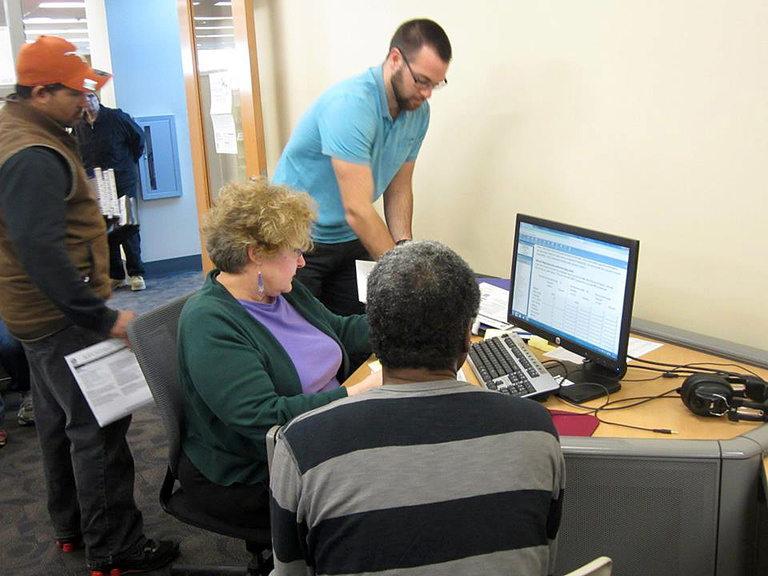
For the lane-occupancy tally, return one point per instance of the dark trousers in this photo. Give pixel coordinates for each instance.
(242, 505)
(13, 360)
(88, 470)
(330, 275)
(132, 248)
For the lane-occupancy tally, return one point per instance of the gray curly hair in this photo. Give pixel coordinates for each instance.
(422, 298)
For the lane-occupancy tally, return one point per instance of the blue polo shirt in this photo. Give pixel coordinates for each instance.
(350, 121)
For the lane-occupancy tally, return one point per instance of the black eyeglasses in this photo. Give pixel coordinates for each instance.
(421, 82)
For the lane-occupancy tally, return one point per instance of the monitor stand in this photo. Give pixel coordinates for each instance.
(590, 381)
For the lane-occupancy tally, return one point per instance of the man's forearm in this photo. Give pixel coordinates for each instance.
(371, 230)
(356, 189)
(398, 210)
(398, 203)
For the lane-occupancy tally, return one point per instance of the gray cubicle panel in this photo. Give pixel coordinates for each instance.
(664, 507)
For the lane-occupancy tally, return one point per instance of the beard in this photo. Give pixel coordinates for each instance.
(403, 102)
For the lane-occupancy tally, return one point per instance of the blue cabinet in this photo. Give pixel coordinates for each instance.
(159, 167)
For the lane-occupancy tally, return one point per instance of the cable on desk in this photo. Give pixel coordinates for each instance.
(675, 373)
(642, 379)
(562, 365)
(698, 366)
(643, 400)
(608, 401)
(654, 430)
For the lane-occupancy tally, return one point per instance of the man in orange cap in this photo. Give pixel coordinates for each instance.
(53, 286)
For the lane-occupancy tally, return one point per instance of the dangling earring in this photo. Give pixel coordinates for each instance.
(261, 284)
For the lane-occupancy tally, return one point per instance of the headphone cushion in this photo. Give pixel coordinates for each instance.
(699, 388)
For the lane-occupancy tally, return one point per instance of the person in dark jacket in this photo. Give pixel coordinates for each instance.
(109, 138)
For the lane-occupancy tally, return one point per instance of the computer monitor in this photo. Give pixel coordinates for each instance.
(575, 287)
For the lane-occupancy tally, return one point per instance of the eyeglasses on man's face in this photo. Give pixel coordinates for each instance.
(422, 82)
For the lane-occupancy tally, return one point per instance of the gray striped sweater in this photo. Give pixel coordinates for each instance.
(429, 478)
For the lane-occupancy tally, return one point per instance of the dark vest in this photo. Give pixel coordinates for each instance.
(27, 312)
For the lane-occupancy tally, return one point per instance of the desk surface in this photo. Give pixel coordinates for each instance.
(661, 413)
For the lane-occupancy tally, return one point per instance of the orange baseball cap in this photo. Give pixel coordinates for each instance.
(53, 60)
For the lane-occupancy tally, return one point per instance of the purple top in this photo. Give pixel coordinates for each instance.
(316, 356)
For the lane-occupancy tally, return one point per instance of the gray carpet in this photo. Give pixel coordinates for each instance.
(25, 532)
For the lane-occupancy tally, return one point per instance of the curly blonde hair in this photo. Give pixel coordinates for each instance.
(256, 213)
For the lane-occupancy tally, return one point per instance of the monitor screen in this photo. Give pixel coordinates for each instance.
(574, 287)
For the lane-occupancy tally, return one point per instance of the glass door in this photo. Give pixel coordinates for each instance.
(219, 85)
(221, 74)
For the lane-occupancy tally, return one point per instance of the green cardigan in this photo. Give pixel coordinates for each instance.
(238, 381)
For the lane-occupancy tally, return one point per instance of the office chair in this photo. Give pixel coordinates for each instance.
(601, 566)
(271, 441)
(153, 339)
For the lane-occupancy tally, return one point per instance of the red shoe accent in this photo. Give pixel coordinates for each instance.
(114, 572)
(97, 573)
(69, 546)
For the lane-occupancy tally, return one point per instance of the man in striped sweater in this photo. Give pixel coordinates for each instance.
(426, 475)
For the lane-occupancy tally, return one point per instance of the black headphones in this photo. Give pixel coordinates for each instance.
(738, 396)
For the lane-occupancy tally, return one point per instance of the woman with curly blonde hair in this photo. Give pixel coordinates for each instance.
(255, 348)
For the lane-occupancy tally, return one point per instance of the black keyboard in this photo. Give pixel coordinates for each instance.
(505, 364)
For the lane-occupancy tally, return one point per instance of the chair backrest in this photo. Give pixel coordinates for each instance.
(153, 339)
(271, 441)
(601, 566)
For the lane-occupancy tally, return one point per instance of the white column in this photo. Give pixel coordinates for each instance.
(98, 35)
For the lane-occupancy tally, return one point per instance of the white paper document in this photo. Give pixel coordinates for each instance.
(224, 133)
(493, 304)
(111, 380)
(638, 347)
(494, 332)
(363, 268)
(492, 322)
(564, 355)
(221, 92)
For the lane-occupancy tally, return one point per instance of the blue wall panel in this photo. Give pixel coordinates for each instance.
(146, 63)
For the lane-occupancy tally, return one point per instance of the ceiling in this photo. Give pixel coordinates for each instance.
(213, 25)
(213, 22)
(70, 23)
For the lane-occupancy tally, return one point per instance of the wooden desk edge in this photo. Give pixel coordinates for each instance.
(662, 413)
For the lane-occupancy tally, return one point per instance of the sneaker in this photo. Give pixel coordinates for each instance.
(151, 556)
(137, 283)
(26, 413)
(3, 438)
(67, 545)
(118, 283)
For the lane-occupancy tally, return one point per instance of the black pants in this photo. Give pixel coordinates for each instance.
(88, 469)
(330, 275)
(243, 505)
(132, 248)
(13, 360)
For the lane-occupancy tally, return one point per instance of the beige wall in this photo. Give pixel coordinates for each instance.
(646, 119)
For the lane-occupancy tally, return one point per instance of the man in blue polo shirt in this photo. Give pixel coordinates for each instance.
(357, 142)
